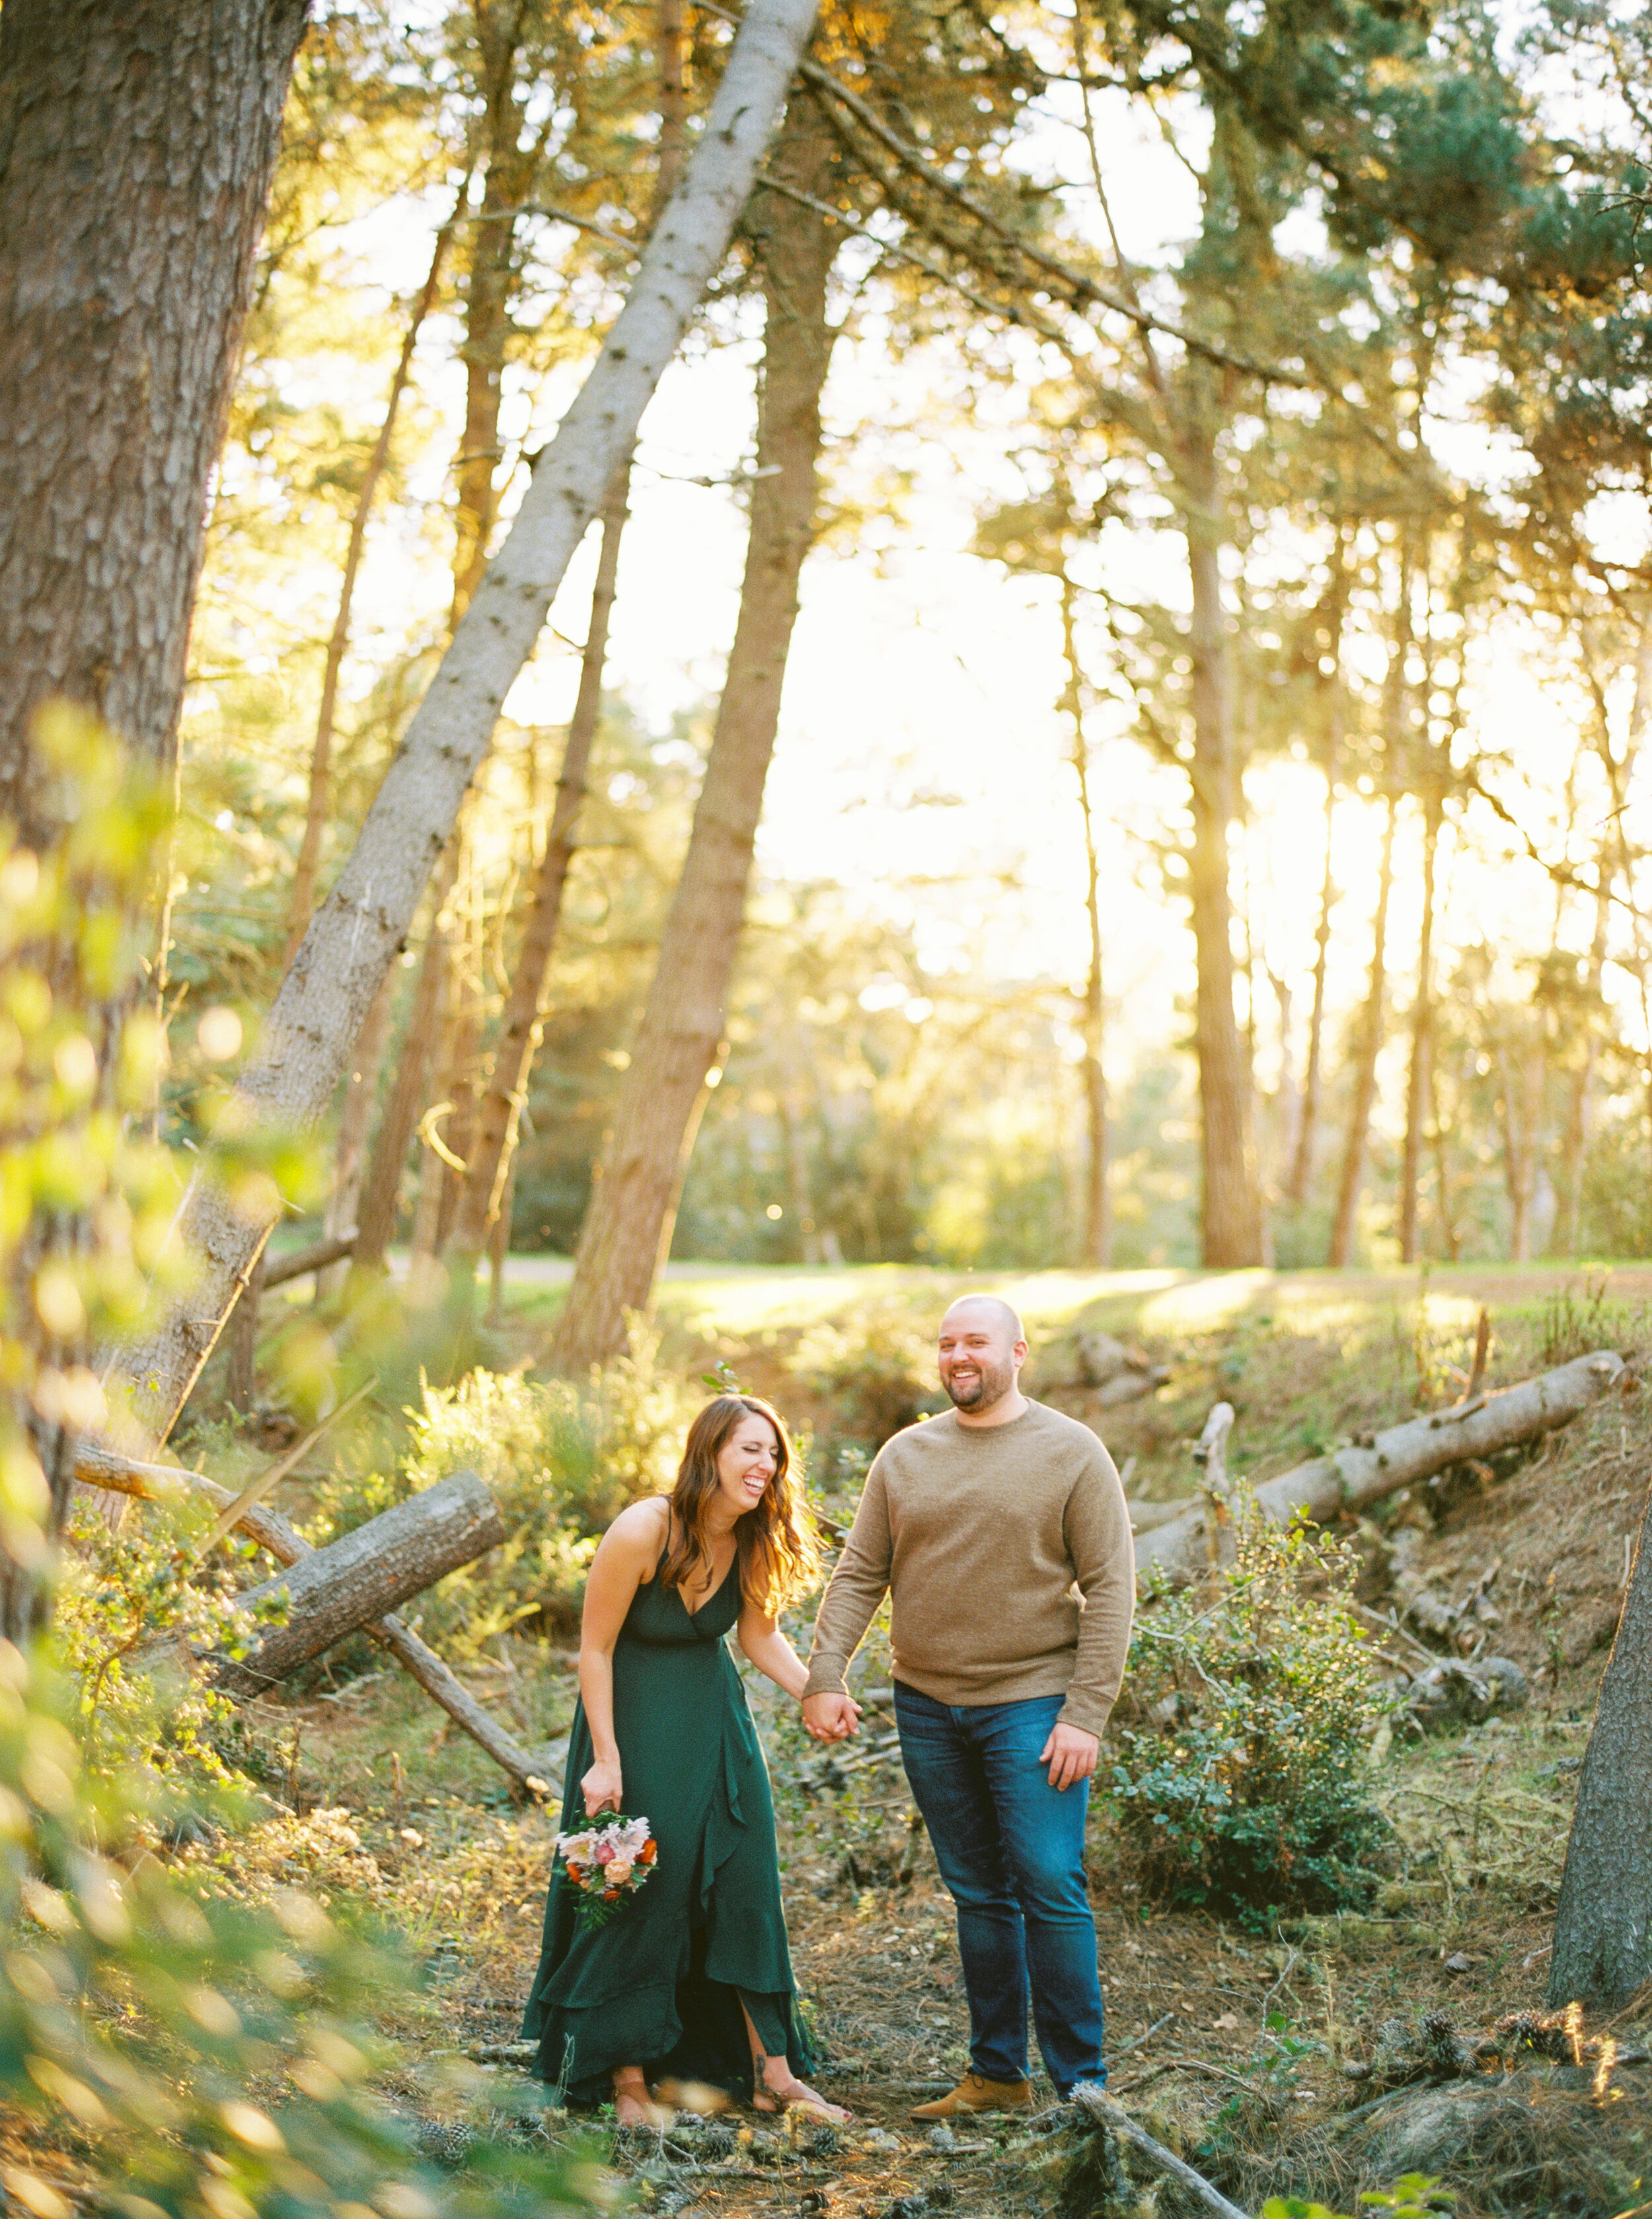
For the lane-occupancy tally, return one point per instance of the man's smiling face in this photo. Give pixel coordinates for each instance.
(976, 1349)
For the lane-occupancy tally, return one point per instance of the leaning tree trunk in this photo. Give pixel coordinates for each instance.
(504, 1095)
(1368, 1048)
(137, 141)
(301, 897)
(1603, 1929)
(362, 925)
(1231, 1208)
(484, 1204)
(633, 1203)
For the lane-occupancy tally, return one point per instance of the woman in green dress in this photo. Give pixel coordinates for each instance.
(691, 1979)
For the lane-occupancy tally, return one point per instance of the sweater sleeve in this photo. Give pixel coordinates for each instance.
(854, 1590)
(1103, 1551)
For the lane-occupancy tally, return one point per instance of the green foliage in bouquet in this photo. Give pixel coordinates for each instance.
(1244, 1781)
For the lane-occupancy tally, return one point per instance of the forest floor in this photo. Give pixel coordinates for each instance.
(1231, 2039)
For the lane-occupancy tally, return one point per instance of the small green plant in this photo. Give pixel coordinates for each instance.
(1416, 2196)
(1574, 1324)
(1246, 1785)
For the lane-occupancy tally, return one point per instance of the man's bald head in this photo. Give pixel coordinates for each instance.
(1001, 1312)
(981, 1347)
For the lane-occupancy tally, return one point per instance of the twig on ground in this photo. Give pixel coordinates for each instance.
(1108, 2112)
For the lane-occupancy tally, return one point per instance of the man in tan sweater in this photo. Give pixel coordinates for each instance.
(980, 1525)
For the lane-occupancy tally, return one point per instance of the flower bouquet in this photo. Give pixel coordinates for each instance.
(604, 1865)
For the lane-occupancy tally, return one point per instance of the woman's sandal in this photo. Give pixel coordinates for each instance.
(795, 2097)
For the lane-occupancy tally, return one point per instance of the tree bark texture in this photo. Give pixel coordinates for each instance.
(137, 143)
(1369, 1045)
(1603, 1927)
(1231, 1208)
(301, 899)
(1351, 1478)
(357, 931)
(523, 1023)
(333, 1591)
(156, 1483)
(633, 1198)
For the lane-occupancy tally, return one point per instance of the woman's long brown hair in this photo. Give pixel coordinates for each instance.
(774, 1540)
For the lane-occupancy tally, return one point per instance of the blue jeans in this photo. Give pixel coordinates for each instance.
(1010, 1849)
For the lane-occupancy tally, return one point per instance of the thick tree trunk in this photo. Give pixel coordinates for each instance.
(1603, 1927)
(336, 1590)
(1422, 1030)
(377, 1218)
(1352, 1478)
(1370, 1045)
(522, 1027)
(1098, 1201)
(317, 1015)
(301, 899)
(628, 1221)
(137, 141)
(1230, 1207)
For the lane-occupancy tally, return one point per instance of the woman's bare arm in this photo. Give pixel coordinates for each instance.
(761, 1641)
(624, 1558)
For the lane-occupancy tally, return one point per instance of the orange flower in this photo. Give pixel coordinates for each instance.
(610, 1895)
(576, 1873)
(647, 1854)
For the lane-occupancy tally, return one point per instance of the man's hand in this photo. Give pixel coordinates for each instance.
(1070, 1755)
(832, 1716)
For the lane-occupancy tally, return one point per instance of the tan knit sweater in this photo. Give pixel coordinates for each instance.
(978, 1534)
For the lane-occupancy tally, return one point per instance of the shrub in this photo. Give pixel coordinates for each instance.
(1246, 1785)
(876, 1370)
(561, 1460)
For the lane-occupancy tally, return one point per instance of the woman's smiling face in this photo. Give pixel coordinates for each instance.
(747, 1463)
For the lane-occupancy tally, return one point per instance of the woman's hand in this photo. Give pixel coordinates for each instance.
(602, 1788)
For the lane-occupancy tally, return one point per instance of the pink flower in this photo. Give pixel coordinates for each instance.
(604, 1853)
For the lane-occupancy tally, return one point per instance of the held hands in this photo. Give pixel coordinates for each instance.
(1070, 1755)
(602, 1789)
(831, 1717)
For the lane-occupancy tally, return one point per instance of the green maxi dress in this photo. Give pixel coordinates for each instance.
(661, 1984)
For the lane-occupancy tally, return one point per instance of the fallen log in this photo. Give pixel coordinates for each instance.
(1109, 2113)
(1352, 1477)
(533, 1770)
(334, 1591)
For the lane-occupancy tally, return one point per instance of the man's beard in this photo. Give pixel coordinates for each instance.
(995, 1382)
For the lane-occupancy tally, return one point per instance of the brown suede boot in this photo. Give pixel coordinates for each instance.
(974, 2093)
